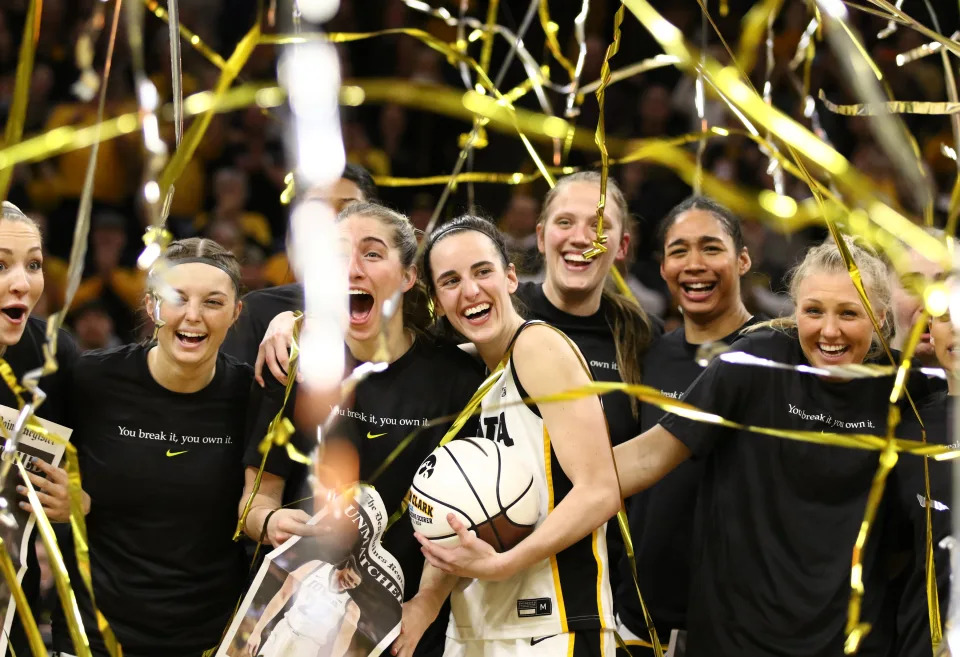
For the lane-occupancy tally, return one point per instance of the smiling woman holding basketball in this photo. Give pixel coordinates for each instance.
(559, 573)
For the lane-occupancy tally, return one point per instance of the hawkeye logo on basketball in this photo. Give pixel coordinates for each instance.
(495, 428)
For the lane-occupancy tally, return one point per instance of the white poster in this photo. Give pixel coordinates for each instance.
(318, 597)
(35, 445)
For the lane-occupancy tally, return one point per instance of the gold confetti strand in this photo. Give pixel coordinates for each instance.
(487, 50)
(658, 61)
(700, 104)
(537, 75)
(930, 576)
(13, 130)
(195, 41)
(574, 97)
(856, 630)
(752, 29)
(474, 142)
(193, 136)
(599, 242)
(891, 25)
(953, 213)
(790, 132)
(85, 88)
(27, 619)
(176, 70)
(781, 212)
(550, 31)
(69, 138)
(61, 577)
(896, 12)
(278, 431)
(773, 168)
(950, 82)
(931, 108)
(920, 52)
(81, 231)
(889, 130)
(497, 178)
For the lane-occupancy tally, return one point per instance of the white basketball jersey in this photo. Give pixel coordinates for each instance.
(319, 608)
(567, 592)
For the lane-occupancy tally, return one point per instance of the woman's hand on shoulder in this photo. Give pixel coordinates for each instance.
(274, 351)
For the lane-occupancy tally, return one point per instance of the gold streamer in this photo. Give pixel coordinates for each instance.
(658, 61)
(898, 14)
(892, 107)
(67, 598)
(69, 138)
(23, 609)
(21, 90)
(279, 430)
(195, 41)
(86, 87)
(599, 242)
(550, 31)
(751, 32)
(487, 49)
(193, 136)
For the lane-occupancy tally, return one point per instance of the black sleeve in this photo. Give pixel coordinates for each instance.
(243, 338)
(265, 403)
(56, 406)
(717, 390)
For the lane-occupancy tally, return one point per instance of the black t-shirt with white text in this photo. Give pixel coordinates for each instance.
(661, 517)
(23, 357)
(164, 471)
(428, 381)
(594, 337)
(777, 519)
(913, 621)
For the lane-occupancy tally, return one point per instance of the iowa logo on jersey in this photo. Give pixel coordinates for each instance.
(495, 428)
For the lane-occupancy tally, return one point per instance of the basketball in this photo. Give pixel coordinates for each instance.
(489, 490)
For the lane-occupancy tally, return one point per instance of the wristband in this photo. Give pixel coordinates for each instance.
(266, 522)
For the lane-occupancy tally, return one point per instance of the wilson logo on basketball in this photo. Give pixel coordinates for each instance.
(426, 468)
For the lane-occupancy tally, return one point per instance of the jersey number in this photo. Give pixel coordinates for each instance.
(495, 428)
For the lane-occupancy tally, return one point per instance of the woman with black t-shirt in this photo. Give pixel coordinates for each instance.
(22, 338)
(578, 297)
(160, 435)
(776, 519)
(703, 259)
(913, 618)
(424, 380)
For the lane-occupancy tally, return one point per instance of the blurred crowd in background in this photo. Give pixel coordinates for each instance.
(231, 189)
